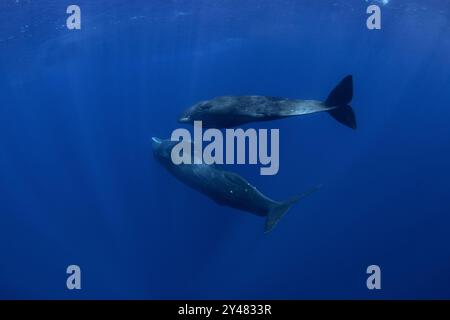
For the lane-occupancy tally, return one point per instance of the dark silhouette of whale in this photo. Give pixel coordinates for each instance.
(224, 187)
(231, 111)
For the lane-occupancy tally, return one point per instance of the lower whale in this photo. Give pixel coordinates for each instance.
(231, 111)
(224, 187)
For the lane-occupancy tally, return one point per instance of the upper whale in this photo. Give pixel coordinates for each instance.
(232, 111)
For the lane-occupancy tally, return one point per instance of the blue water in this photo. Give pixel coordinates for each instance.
(79, 185)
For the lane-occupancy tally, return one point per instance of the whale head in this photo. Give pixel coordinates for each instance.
(162, 149)
(186, 117)
(198, 111)
(156, 143)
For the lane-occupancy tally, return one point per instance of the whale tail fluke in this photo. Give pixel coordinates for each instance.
(339, 100)
(279, 210)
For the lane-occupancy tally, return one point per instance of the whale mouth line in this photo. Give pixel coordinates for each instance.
(156, 140)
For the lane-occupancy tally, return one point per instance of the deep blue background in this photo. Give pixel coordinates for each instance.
(78, 183)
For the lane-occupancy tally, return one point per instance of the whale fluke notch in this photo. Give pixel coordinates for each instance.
(280, 209)
(339, 100)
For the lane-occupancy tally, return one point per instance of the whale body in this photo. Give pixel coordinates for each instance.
(231, 111)
(224, 187)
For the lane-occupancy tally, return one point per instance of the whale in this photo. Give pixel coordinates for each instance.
(226, 188)
(232, 111)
